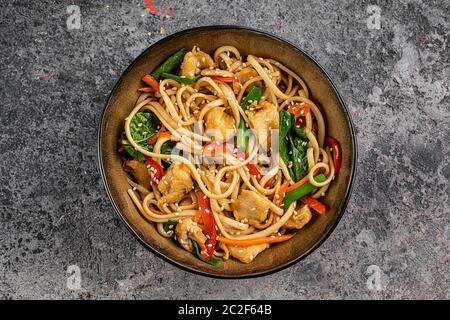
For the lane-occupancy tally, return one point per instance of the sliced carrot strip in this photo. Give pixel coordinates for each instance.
(148, 79)
(162, 132)
(251, 242)
(298, 184)
(225, 79)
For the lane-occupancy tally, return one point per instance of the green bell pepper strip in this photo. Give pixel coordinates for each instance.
(254, 94)
(169, 64)
(212, 261)
(180, 79)
(300, 132)
(301, 191)
(285, 126)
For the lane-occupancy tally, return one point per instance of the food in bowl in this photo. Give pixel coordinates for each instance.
(227, 154)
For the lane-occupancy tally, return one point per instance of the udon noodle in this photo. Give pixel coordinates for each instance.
(227, 153)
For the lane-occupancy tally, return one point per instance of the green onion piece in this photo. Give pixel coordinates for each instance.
(169, 64)
(254, 94)
(213, 261)
(181, 79)
(170, 226)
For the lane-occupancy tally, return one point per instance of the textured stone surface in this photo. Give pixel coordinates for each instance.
(53, 208)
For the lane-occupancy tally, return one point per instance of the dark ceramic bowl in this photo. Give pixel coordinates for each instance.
(248, 41)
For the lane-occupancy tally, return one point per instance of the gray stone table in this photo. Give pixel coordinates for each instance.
(391, 63)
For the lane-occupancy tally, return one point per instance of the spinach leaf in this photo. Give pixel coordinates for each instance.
(196, 187)
(300, 160)
(285, 123)
(132, 151)
(295, 157)
(285, 126)
(167, 147)
(143, 126)
(213, 261)
(300, 132)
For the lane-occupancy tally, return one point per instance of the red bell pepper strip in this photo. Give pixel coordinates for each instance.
(337, 152)
(315, 204)
(253, 170)
(156, 171)
(209, 224)
(148, 79)
(240, 155)
(225, 79)
(215, 146)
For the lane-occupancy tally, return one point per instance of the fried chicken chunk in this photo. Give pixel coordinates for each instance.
(220, 124)
(186, 230)
(194, 61)
(299, 219)
(139, 171)
(175, 184)
(262, 118)
(251, 207)
(247, 254)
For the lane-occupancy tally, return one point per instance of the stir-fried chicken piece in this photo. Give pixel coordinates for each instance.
(299, 219)
(220, 124)
(139, 171)
(186, 230)
(244, 75)
(175, 184)
(250, 207)
(247, 254)
(194, 61)
(262, 118)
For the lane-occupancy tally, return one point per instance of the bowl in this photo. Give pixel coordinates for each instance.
(249, 41)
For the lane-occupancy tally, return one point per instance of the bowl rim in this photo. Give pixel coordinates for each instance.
(180, 265)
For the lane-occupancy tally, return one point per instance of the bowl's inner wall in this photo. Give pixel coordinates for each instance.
(248, 42)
